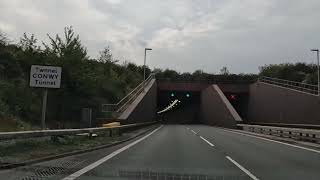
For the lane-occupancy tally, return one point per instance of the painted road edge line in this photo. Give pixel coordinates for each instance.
(193, 131)
(296, 146)
(242, 168)
(106, 158)
(206, 141)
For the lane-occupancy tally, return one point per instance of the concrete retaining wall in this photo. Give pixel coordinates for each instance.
(143, 108)
(216, 110)
(234, 88)
(275, 104)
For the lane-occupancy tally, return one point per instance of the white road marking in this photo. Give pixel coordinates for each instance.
(296, 146)
(242, 168)
(206, 141)
(193, 131)
(106, 158)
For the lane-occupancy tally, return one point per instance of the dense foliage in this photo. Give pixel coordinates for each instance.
(85, 82)
(199, 75)
(300, 72)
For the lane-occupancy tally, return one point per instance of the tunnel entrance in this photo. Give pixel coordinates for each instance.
(200, 102)
(184, 111)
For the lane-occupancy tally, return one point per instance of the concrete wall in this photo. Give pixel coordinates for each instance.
(275, 104)
(234, 88)
(143, 108)
(216, 110)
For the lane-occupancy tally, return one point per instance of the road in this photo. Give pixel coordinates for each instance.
(199, 152)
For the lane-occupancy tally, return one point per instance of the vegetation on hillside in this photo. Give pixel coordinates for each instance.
(85, 82)
(301, 72)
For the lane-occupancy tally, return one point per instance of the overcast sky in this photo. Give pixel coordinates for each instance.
(185, 35)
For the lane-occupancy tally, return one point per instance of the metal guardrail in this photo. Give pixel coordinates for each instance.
(297, 133)
(63, 132)
(308, 88)
(119, 107)
(304, 126)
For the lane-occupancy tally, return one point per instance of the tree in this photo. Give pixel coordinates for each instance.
(3, 38)
(69, 47)
(168, 74)
(106, 56)
(224, 71)
(28, 43)
(157, 70)
(300, 72)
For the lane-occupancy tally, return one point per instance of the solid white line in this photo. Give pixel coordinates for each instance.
(300, 147)
(106, 158)
(206, 141)
(242, 168)
(193, 131)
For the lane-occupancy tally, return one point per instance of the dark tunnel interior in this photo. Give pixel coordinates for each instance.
(239, 101)
(186, 111)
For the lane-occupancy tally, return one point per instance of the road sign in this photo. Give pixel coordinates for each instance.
(45, 76)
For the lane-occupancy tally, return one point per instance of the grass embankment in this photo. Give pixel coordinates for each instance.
(16, 151)
(9, 124)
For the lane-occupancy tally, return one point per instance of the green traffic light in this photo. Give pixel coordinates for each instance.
(172, 94)
(187, 95)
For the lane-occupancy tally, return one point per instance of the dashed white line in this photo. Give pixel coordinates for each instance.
(300, 147)
(242, 168)
(206, 141)
(193, 131)
(106, 158)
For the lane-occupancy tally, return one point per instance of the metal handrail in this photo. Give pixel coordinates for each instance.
(63, 132)
(120, 106)
(304, 87)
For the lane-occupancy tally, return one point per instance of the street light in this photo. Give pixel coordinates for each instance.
(144, 64)
(317, 50)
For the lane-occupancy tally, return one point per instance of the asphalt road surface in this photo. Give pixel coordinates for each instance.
(196, 152)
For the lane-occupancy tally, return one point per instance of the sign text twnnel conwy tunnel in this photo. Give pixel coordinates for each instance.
(45, 76)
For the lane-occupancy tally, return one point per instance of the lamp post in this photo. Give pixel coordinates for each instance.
(317, 50)
(144, 64)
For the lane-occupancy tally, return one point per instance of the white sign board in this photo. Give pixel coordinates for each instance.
(45, 76)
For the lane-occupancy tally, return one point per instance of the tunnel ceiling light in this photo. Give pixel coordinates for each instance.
(169, 107)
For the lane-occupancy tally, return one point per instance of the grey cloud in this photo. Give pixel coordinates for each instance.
(185, 34)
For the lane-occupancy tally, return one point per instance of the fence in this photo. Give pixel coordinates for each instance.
(63, 132)
(118, 108)
(308, 88)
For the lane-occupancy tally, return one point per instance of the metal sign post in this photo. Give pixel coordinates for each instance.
(44, 108)
(90, 118)
(45, 77)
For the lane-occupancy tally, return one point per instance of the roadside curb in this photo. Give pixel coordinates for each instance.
(276, 138)
(38, 160)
